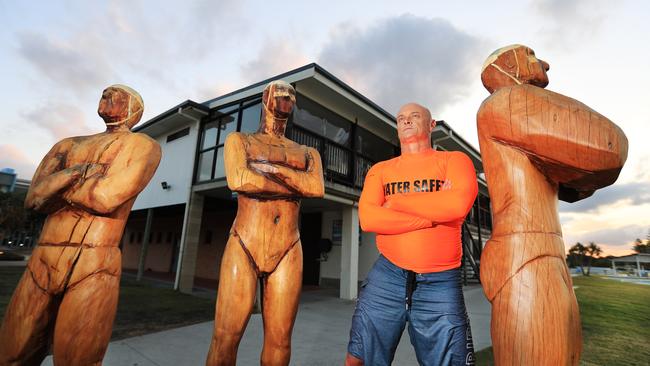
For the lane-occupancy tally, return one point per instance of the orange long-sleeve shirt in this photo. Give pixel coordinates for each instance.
(416, 204)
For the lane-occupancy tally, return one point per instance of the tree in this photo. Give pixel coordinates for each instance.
(579, 250)
(593, 250)
(642, 246)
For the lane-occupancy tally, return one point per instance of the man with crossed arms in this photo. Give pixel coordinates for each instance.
(416, 204)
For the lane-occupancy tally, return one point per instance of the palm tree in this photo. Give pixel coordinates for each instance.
(579, 250)
(593, 250)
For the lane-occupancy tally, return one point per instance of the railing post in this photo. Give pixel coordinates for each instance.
(480, 240)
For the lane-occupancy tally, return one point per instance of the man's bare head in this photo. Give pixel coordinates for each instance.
(513, 65)
(120, 105)
(414, 124)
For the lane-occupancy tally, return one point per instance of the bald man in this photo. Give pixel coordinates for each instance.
(86, 185)
(416, 204)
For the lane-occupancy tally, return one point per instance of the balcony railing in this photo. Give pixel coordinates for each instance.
(338, 160)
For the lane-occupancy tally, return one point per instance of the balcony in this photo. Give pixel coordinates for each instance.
(340, 164)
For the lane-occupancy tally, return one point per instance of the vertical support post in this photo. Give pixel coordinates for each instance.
(145, 244)
(638, 266)
(614, 267)
(478, 217)
(350, 254)
(189, 244)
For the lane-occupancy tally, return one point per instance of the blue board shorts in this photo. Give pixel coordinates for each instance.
(438, 324)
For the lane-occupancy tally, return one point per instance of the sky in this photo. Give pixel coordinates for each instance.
(57, 57)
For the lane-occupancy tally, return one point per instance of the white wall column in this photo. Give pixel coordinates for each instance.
(189, 244)
(349, 253)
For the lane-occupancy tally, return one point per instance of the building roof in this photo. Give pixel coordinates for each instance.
(309, 67)
(171, 111)
(314, 79)
(632, 258)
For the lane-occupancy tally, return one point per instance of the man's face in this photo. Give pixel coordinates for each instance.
(113, 105)
(414, 123)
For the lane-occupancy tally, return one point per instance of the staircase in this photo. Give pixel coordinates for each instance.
(470, 265)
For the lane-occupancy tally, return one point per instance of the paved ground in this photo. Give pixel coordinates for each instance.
(320, 336)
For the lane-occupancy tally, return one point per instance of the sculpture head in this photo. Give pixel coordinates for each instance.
(120, 106)
(414, 124)
(513, 65)
(278, 99)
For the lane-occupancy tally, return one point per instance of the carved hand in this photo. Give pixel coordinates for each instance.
(264, 167)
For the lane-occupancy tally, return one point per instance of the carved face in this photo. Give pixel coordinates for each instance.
(279, 98)
(120, 104)
(514, 65)
(414, 123)
(113, 105)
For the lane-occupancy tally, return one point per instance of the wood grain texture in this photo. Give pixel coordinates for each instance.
(69, 291)
(270, 173)
(537, 146)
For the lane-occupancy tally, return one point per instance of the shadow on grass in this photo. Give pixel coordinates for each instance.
(143, 307)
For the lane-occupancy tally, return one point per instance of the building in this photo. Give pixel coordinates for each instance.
(190, 208)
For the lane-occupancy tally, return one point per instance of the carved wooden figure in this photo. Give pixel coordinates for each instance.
(270, 173)
(536, 146)
(69, 290)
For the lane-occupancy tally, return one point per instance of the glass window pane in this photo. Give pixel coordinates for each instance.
(228, 125)
(209, 135)
(250, 118)
(312, 116)
(219, 169)
(372, 146)
(303, 118)
(204, 170)
(228, 109)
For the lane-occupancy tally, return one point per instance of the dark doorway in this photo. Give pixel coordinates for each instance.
(310, 233)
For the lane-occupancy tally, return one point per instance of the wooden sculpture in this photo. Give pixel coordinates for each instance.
(536, 145)
(270, 173)
(69, 290)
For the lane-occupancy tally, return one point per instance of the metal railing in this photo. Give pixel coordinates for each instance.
(471, 254)
(340, 163)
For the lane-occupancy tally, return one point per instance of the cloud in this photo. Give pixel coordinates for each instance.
(619, 237)
(566, 21)
(637, 193)
(405, 58)
(13, 157)
(61, 120)
(67, 64)
(275, 57)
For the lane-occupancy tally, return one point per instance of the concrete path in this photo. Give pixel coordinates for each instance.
(320, 336)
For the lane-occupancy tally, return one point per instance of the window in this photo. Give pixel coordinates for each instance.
(204, 170)
(244, 117)
(227, 124)
(311, 116)
(250, 118)
(178, 134)
(373, 147)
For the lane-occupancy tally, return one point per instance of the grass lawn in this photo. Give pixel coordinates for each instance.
(142, 308)
(615, 323)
